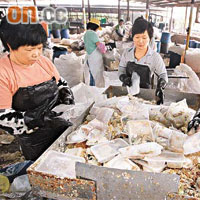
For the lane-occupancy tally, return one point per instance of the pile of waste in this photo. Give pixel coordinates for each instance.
(133, 134)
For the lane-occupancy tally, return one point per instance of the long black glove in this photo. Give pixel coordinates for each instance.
(160, 91)
(35, 118)
(53, 119)
(65, 96)
(194, 123)
(126, 80)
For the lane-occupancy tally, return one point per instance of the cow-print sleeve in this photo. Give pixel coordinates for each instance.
(13, 122)
(67, 94)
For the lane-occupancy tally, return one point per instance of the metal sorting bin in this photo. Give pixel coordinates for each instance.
(171, 95)
(120, 184)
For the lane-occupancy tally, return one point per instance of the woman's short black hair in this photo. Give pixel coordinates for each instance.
(140, 26)
(17, 35)
(92, 26)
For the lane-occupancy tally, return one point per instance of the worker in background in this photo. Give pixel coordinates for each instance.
(119, 31)
(94, 49)
(152, 43)
(30, 87)
(143, 60)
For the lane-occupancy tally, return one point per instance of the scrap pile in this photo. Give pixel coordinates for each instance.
(134, 134)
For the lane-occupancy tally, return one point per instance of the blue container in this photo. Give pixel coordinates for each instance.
(195, 44)
(198, 45)
(165, 38)
(184, 41)
(64, 33)
(192, 44)
(164, 48)
(56, 33)
(158, 46)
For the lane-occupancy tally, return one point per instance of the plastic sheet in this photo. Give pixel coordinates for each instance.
(95, 137)
(75, 152)
(104, 115)
(151, 167)
(111, 78)
(87, 94)
(176, 141)
(173, 160)
(76, 137)
(20, 184)
(192, 144)
(141, 150)
(192, 59)
(179, 114)
(139, 129)
(135, 87)
(158, 113)
(120, 162)
(191, 85)
(104, 152)
(59, 164)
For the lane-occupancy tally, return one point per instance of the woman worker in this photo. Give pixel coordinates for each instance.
(94, 49)
(30, 86)
(143, 60)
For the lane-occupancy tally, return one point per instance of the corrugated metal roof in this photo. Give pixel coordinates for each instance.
(154, 3)
(169, 3)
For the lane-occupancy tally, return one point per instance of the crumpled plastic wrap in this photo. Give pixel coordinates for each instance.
(120, 162)
(191, 85)
(88, 94)
(139, 129)
(135, 87)
(179, 114)
(141, 150)
(70, 68)
(192, 144)
(192, 59)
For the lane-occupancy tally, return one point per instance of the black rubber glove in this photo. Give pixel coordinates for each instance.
(125, 79)
(194, 123)
(65, 96)
(53, 119)
(160, 91)
(35, 118)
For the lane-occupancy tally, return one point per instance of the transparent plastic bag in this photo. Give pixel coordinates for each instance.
(192, 144)
(135, 87)
(176, 141)
(120, 162)
(139, 129)
(141, 150)
(179, 114)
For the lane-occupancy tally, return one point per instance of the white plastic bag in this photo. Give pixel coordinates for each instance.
(191, 85)
(139, 129)
(20, 184)
(70, 68)
(141, 150)
(192, 144)
(135, 87)
(179, 114)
